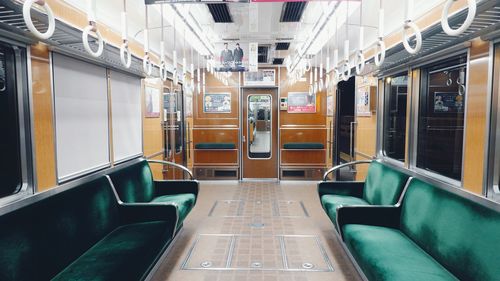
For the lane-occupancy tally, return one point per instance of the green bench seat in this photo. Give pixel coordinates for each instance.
(215, 145)
(84, 233)
(383, 186)
(135, 184)
(434, 234)
(303, 145)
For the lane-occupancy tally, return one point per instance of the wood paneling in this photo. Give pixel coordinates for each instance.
(366, 127)
(43, 118)
(153, 132)
(294, 135)
(216, 136)
(476, 108)
(303, 157)
(216, 157)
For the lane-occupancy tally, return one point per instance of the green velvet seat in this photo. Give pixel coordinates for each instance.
(303, 145)
(83, 233)
(135, 184)
(435, 234)
(383, 186)
(215, 145)
(332, 202)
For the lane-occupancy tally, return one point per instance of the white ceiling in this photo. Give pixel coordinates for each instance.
(266, 18)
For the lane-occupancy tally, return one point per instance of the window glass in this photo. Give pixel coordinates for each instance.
(441, 117)
(10, 160)
(395, 116)
(259, 126)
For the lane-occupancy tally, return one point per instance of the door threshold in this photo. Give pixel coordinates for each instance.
(257, 179)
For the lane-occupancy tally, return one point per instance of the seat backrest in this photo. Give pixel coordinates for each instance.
(134, 184)
(39, 240)
(383, 184)
(459, 233)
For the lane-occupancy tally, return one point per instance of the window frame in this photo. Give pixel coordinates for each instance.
(492, 175)
(415, 114)
(384, 105)
(22, 56)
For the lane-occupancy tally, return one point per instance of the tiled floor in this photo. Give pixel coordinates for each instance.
(255, 231)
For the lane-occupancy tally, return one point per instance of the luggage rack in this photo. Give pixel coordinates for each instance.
(66, 39)
(487, 20)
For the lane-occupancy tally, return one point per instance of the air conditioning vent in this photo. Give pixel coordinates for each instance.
(282, 46)
(292, 11)
(220, 12)
(278, 61)
(263, 54)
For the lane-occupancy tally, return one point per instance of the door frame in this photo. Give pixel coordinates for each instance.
(274, 151)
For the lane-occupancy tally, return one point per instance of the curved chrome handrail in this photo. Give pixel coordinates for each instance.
(173, 164)
(333, 169)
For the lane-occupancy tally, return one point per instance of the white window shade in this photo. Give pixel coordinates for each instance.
(126, 116)
(81, 116)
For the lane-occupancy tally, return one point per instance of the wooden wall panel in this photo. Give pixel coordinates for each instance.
(366, 128)
(293, 135)
(303, 157)
(43, 118)
(153, 132)
(476, 108)
(216, 157)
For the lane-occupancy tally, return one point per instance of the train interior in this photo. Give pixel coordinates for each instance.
(249, 140)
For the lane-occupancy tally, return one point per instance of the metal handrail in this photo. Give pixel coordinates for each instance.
(333, 169)
(173, 164)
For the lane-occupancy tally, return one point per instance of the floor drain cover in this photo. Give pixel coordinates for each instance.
(307, 265)
(256, 265)
(206, 264)
(257, 225)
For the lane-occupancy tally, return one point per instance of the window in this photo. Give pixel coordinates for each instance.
(395, 96)
(441, 117)
(12, 149)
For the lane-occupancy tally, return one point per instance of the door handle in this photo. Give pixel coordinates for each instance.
(351, 135)
(243, 139)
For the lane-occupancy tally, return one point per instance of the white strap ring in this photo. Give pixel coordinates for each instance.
(163, 71)
(86, 45)
(380, 55)
(468, 21)
(360, 64)
(125, 55)
(147, 66)
(406, 38)
(346, 74)
(29, 23)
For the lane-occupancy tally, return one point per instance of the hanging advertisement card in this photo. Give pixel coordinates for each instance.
(152, 102)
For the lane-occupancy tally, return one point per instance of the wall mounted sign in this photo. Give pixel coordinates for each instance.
(217, 102)
(152, 102)
(329, 105)
(448, 102)
(263, 77)
(363, 102)
(253, 57)
(301, 102)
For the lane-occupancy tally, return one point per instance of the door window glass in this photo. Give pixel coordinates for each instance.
(259, 126)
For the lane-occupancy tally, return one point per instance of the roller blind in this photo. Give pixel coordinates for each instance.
(126, 116)
(81, 116)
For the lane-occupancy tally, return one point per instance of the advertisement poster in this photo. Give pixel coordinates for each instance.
(450, 102)
(189, 106)
(301, 102)
(253, 64)
(231, 57)
(217, 102)
(263, 77)
(152, 102)
(363, 102)
(329, 105)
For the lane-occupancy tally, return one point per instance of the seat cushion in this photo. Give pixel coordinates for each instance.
(214, 145)
(127, 253)
(303, 145)
(387, 254)
(332, 202)
(184, 202)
